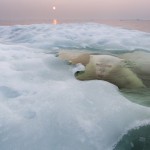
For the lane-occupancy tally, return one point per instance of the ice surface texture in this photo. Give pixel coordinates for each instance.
(90, 36)
(42, 105)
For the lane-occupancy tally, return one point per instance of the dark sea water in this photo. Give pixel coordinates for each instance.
(135, 139)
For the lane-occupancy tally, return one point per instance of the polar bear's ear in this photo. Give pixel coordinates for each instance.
(75, 57)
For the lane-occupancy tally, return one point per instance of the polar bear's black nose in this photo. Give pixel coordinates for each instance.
(77, 72)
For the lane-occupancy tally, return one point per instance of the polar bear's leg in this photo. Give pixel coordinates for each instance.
(124, 78)
(141, 64)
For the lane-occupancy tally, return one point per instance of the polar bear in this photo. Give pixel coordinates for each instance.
(104, 67)
(111, 69)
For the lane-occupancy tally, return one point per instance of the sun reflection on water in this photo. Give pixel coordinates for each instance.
(55, 21)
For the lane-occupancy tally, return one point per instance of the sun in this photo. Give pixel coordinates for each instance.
(54, 8)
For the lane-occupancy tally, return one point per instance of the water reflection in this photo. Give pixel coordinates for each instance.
(55, 21)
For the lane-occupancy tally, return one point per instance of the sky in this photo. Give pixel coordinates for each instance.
(74, 9)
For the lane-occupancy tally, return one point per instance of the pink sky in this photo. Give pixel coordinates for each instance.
(83, 9)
